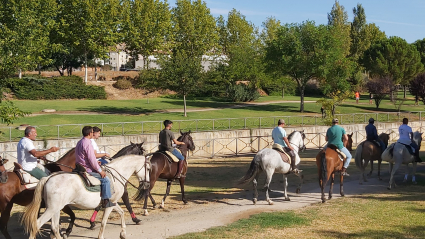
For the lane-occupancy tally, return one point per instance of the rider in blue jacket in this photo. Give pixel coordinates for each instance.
(372, 134)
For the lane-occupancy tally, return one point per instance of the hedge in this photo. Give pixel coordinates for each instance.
(65, 87)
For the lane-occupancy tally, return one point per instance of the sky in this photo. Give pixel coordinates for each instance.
(403, 18)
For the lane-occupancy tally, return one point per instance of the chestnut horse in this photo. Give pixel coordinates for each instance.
(162, 168)
(367, 152)
(328, 163)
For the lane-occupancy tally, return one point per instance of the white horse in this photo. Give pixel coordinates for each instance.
(270, 161)
(401, 156)
(63, 189)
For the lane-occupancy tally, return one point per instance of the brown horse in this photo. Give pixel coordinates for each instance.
(13, 192)
(328, 163)
(349, 145)
(367, 152)
(162, 168)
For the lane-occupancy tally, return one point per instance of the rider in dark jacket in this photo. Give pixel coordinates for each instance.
(372, 134)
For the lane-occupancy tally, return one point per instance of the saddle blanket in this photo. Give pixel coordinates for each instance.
(96, 183)
(285, 157)
(172, 156)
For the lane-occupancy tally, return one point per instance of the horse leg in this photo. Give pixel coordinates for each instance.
(341, 185)
(123, 226)
(148, 194)
(406, 173)
(55, 226)
(269, 175)
(93, 217)
(71, 214)
(4, 219)
(301, 176)
(371, 168)
(169, 182)
(285, 188)
(182, 189)
(331, 188)
(254, 182)
(413, 173)
(152, 200)
(45, 217)
(379, 169)
(126, 201)
(108, 211)
(322, 184)
(393, 171)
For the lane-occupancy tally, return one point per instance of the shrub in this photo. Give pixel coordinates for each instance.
(123, 84)
(66, 87)
(101, 78)
(242, 93)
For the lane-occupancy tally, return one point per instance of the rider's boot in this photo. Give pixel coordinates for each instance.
(294, 169)
(106, 203)
(180, 169)
(344, 172)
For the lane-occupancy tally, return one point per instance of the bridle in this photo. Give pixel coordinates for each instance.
(121, 179)
(302, 148)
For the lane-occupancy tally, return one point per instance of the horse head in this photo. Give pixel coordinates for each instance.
(187, 139)
(417, 137)
(133, 148)
(297, 138)
(350, 142)
(3, 174)
(385, 138)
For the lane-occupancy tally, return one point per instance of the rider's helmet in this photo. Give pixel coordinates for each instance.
(371, 120)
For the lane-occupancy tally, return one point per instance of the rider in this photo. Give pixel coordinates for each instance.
(279, 137)
(166, 140)
(372, 134)
(99, 155)
(406, 137)
(86, 157)
(334, 136)
(27, 155)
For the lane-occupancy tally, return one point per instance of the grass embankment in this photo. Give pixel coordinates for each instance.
(391, 214)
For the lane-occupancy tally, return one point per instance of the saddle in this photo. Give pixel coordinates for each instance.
(408, 147)
(24, 177)
(285, 156)
(170, 156)
(375, 143)
(341, 155)
(89, 181)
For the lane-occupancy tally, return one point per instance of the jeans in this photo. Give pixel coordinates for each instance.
(105, 187)
(102, 161)
(348, 154)
(177, 154)
(37, 173)
(383, 147)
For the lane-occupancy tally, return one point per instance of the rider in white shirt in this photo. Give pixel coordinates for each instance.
(406, 137)
(28, 156)
(99, 154)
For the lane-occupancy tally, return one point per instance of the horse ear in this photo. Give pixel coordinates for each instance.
(352, 133)
(131, 143)
(181, 132)
(189, 132)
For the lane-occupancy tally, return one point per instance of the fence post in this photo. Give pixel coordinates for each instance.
(212, 151)
(259, 120)
(302, 120)
(229, 123)
(197, 121)
(122, 129)
(101, 126)
(244, 124)
(315, 120)
(10, 135)
(258, 139)
(58, 132)
(320, 141)
(213, 125)
(142, 127)
(420, 116)
(236, 145)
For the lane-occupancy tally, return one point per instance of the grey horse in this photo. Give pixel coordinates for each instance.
(401, 156)
(270, 161)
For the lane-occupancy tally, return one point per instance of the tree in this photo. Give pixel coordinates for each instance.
(297, 51)
(89, 27)
(380, 87)
(146, 28)
(358, 40)
(240, 44)
(9, 112)
(417, 87)
(24, 34)
(420, 46)
(393, 58)
(194, 34)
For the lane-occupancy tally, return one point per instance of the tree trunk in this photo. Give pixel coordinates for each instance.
(20, 74)
(283, 92)
(184, 100)
(85, 68)
(60, 72)
(95, 72)
(404, 96)
(39, 69)
(302, 99)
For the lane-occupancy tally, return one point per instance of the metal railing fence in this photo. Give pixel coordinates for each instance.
(10, 134)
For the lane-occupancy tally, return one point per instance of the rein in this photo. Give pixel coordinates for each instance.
(53, 162)
(108, 169)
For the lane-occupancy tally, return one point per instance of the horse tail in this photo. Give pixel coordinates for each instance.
(358, 157)
(324, 168)
(29, 219)
(252, 171)
(142, 191)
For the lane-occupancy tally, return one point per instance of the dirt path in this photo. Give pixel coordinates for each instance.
(200, 217)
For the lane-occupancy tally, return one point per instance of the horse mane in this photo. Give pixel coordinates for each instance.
(66, 154)
(121, 152)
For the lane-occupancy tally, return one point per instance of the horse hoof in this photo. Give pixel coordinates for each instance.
(122, 235)
(389, 188)
(68, 231)
(287, 199)
(323, 200)
(65, 236)
(298, 190)
(92, 225)
(342, 195)
(137, 221)
(146, 213)
(185, 202)
(329, 198)
(154, 206)
(254, 201)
